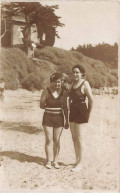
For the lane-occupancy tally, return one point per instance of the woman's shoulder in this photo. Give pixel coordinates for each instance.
(86, 83)
(87, 86)
(45, 91)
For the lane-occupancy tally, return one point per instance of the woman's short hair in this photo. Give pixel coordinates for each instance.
(80, 67)
(55, 76)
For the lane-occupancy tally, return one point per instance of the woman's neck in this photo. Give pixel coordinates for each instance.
(78, 81)
(55, 89)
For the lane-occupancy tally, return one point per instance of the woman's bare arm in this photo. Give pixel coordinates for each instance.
(66, 111)
(88, 92)
(43, 99)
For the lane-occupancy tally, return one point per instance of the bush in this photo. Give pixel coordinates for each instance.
(18, 69)
(96, 71)
(114, 72)
(32, 82)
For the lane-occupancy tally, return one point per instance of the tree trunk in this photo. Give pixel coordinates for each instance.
(27, 32)
(27, 35)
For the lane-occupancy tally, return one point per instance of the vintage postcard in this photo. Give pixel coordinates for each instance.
(59, 96)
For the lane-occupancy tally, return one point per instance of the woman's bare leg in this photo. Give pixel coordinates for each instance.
(75, 141)
(78, 129)
(78, 142)
(48, 143)
(56, 139)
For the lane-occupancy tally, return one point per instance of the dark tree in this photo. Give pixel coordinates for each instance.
(103, 52)
(34, 13)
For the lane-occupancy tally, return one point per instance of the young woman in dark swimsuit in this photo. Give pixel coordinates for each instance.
(54, 101)
(79, 111)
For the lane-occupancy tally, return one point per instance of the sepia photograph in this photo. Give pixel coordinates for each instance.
(59, 96)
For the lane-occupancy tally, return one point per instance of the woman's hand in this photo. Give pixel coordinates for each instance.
(66, 126)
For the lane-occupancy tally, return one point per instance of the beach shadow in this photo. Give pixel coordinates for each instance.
(23, 157)
(62, 164)
(21, 127)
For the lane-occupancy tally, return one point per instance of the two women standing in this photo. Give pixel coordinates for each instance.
(54, 101)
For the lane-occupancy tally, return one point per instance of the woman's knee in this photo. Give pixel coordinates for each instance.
(49, 141)
(76, 139)
(56, 141)
(57, 135)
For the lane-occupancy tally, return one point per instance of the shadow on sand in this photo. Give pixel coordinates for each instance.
(23, 157)
(20, 126)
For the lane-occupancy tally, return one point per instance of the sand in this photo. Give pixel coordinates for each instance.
(22, 154)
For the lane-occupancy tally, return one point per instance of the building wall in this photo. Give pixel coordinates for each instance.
(17, 34)
(14, 34)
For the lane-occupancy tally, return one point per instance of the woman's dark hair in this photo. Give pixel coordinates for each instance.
(55, 76)
(80, 67)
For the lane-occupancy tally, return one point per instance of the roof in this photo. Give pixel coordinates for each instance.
(18, 18)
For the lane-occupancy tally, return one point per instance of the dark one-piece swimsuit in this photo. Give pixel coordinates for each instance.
(78, 107)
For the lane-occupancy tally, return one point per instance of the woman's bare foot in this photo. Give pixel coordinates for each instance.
(77, 163)
(48, 165)
(77, 168)
(56, 165)
(73, 165)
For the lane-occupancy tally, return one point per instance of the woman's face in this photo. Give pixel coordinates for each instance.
(77, 74)
(57, 84)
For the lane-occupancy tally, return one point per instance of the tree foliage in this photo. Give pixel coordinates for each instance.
(104, 52)
(34, 13)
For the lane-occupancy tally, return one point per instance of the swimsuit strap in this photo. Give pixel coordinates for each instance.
(82, 83)
(78, 86)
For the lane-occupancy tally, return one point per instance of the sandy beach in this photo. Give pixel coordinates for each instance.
(22, 154)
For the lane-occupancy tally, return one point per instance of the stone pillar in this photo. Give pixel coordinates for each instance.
(29, 52)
